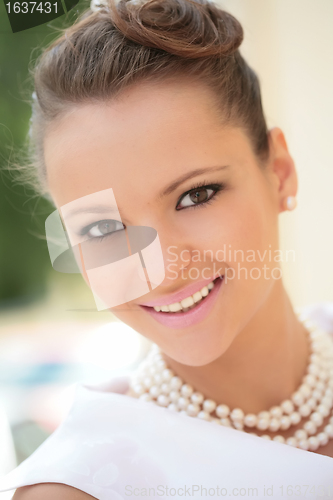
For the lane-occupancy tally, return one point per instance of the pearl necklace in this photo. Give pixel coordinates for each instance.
(313, 400)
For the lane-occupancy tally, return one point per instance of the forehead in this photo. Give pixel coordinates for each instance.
(144, 139)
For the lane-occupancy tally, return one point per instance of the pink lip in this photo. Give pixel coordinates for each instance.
(178, 296)
(191, 317)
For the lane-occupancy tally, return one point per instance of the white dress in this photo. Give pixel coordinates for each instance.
(114, 447)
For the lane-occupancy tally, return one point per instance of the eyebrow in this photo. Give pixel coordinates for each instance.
(189, 175)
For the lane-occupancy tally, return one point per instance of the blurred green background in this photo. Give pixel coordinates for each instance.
(24, 260)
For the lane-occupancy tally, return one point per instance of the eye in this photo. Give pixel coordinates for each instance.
(103, 228)
(198, 196)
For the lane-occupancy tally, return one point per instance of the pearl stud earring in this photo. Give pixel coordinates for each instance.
(290, 202)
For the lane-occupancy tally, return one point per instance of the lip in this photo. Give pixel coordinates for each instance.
(191, 317)
(181, 294)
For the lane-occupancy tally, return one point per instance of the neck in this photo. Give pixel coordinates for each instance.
(263, 366)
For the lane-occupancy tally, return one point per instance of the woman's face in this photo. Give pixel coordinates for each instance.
(152, 146)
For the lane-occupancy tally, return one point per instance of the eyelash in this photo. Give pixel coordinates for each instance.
(217, 188)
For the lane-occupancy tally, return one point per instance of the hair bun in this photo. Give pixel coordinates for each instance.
(186, 28)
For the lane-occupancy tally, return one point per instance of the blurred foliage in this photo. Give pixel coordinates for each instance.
(24, 260)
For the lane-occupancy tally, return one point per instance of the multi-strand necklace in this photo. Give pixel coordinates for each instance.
(312, 402)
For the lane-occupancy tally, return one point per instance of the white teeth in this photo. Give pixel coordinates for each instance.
(188, 302)
(175, 307)
(197, 296)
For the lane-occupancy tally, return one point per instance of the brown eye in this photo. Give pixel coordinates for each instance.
(197, 196)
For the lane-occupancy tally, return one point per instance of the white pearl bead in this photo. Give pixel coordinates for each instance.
(317, 395)
(285, 422)
(193, 409)
(216, 421)
(266, 436)
(316, 418)
(148, 382)
(314, 358)
(146, 397)
(237, 414)
(186, 390)
(313, 443)
(183, 412)
(310, 427)
(161, 364)
(158, 379)
(250, 420)
(226, 422)
(197, 398)
(323, 438)
(295, 418)
(329, 392)
(304, 410)
(183, 403)
(323, 410)
(313, 369)
(291, 441)
(312, 403)
(287, 406)
(279, 439)
(323, 375)
(173, 407)
(297, 398)
(163, 400)
(238, 424)
(329, 430)
(165, 388)
(264, 414)
(331, 420)
(155, 391)
(320, 386)
(276, 411)
(167, 374)
(176, 383)
(203, 415)
(263, 424)
(174, 396)
(138, 389)
(152, 370)
(301, 434)
(327, 401)
(303, 444)
(274, 424)
(209, 405)
(305, 390)
(310, 380)
(222, 411)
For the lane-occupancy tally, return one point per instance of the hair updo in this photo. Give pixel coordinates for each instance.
(115, 45)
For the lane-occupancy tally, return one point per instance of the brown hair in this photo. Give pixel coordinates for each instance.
(117, 45)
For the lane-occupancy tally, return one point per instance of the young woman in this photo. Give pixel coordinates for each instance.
(146, 116)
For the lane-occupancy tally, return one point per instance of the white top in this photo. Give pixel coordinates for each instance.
(113, 447)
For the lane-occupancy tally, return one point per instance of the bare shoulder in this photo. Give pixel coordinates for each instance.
(51, 491)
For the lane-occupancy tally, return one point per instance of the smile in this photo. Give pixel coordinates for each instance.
(187, 303)
(188, 311)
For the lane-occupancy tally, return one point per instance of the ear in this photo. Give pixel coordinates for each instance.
(282, 167)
